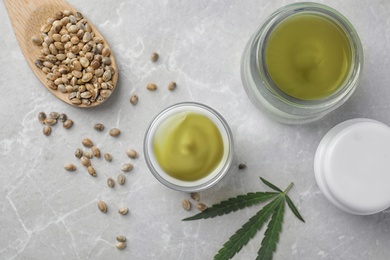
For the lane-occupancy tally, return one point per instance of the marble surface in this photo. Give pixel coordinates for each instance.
(48, 213)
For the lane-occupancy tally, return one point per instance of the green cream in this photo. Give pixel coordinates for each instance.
(308, 56)
(188, 146)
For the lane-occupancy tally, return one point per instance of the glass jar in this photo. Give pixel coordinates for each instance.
(183, 185)
(265, 93)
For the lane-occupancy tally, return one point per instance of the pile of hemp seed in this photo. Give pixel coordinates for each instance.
(75, 61)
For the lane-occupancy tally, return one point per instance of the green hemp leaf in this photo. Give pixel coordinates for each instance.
(274, 210)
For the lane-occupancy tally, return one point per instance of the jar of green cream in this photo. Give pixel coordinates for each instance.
(188, 147)
(303, 62)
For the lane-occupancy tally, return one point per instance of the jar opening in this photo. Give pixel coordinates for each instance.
(271, 93)
(307, 56)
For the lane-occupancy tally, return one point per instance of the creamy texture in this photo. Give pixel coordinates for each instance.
(188, 146)
(308, 56)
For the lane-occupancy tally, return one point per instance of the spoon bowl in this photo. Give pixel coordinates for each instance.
(27, 18)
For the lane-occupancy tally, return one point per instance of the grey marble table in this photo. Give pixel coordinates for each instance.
(48, 213)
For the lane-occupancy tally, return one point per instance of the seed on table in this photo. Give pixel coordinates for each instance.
(121, 179)
(121, 245)
(87, 142)
(134, 100)
(68, 123)
(96, 151)
(186, 204)
(123, 211)
(70, 167)
(98, 127)
(88, 154)
(201, 206)
(107, 157)
(121, 238)
(78, 153)
(127, 167)
(154, 57)
(54, 115)
(195, 196)
(110, 182)
(114, 132)
(131, 153)
(50, 121)
(241, 166)
(151, 86)
(91, 171)
(85, 161)
(172, 86)
(102, 206)
(41, 117)
(63, 117)
(46, 130)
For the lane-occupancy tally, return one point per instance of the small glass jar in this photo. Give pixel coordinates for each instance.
(352, 166)
(264, 92)
(215, 175)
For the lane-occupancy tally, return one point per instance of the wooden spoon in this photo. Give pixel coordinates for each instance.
(27, 17)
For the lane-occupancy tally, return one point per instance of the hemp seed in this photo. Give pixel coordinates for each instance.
(68, 123)
(123, 211)
(121, 245)
(102, 206)
(201, 206)
(70, 167)
(108, 157)
(87, 142)
(98, 127)
(172, 86)
(195, 196)
(114, 132)
(110, 182)
(78, 153)
(121, 238)
(134, 100)
(127, 167)
(91, 171)
(46, 130)
(186, 204)
(151, 86)
(96, 151)
(154, 57)
(131, 153)
(41, 117)
(85, 161)
(121, 179)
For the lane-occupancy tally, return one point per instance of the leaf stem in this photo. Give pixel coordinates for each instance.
(288, 188)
